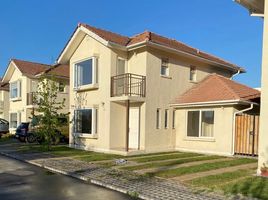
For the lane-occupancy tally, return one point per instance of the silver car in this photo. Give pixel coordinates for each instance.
(4, 126)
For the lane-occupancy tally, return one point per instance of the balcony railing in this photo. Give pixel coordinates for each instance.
(1, 105)
(30, 98)
(128, 85)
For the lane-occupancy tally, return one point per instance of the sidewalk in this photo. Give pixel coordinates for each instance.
(122, 181)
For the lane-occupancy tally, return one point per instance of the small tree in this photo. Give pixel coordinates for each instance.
(47, 111)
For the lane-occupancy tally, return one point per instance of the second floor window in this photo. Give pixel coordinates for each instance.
(15, 89)
(61, 87)
(85, 72)
(192, 74)
(164, 67)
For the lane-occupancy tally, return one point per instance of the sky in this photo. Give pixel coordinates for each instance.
(37, 30)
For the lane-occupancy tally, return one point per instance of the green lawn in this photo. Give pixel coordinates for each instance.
(170, 163)
(202, 167)
(164, 157)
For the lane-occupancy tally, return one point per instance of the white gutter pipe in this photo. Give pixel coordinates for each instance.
(237, 73)
(238, 112)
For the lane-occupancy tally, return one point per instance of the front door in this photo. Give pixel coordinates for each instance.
(134, 127)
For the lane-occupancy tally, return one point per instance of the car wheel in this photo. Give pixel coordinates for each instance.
(31, 138)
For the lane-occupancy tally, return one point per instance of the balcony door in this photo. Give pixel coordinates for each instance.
(120, 70)
(134, 127)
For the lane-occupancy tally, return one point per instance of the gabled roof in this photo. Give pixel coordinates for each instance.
(30, 68)
(4, 86)
(109, 38)
(59, 71)
(254, 6)
(216, 88)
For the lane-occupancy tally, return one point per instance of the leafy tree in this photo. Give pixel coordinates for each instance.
(46, 116)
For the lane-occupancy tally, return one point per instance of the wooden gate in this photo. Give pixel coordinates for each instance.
(246, 134)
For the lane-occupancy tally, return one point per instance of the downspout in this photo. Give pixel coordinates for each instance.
(237, 73)
(238, 112)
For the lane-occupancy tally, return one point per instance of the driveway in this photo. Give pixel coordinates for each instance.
(23, 181)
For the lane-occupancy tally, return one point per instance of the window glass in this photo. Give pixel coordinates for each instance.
(207, 123)
(173, 118)
(158, 118)
(164, 67)
(84, 73)
(83, 121)
(14, 90)
(193, 74)
(61, 87)
(121, 64)
(193, 124)
(166, 118)
(13, 120)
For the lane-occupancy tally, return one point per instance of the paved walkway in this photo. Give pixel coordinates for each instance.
(126, 182)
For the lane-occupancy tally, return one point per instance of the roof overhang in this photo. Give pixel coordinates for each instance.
(255, 7)
(9, 71)
(212, 103)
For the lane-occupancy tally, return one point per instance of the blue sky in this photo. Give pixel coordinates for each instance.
(37, 30)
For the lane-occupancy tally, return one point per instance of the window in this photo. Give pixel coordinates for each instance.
(85, 72)
(200, 124)
(61, 87)
(164, 67)
(173, 119)
(15, 89)
(14, 120)
(158, 118)
(121, 66)
(193, 73)
(166, 118)
(85, 121)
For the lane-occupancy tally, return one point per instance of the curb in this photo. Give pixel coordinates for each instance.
(92, 181)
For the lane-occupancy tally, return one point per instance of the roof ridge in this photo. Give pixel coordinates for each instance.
(84, 24)
(20, 60)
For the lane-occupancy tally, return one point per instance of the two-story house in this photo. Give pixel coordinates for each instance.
(4, 100)
(23, 78)
(121, 88)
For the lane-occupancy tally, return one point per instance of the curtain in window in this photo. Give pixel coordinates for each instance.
(207, 123)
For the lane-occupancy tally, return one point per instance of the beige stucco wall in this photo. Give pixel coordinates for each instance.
(4, 96)
(161, 91)
(221, 143)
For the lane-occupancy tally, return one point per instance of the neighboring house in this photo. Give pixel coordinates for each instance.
(4, 100)
(122, 87)
(206, 117)
(23, 77)
(259, 8)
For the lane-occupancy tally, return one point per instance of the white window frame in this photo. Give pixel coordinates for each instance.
(18, 119)
(200, 124)
(95, 70)
(164, 64)
(94, 122)
(18, 83)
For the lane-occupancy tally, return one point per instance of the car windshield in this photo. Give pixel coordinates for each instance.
(3, 121)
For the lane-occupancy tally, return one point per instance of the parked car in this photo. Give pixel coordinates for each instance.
(26, 133)
(4, 127)
(22, 131)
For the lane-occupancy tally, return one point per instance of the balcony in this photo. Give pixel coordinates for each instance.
(128, 85)
(30, 98)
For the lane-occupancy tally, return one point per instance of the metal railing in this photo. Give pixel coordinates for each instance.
(128, 84)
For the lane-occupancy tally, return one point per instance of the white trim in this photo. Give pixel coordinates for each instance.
(211, 103)
(204, 152)
(200, 137)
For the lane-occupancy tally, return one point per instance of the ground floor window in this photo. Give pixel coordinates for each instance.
(200, 123)
(85, 121)
(14, 120)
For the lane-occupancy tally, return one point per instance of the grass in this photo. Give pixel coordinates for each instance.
(170, 163)
(254, 187)
(7, 138)
(217, 180)
(164, 157)
(202, 167)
